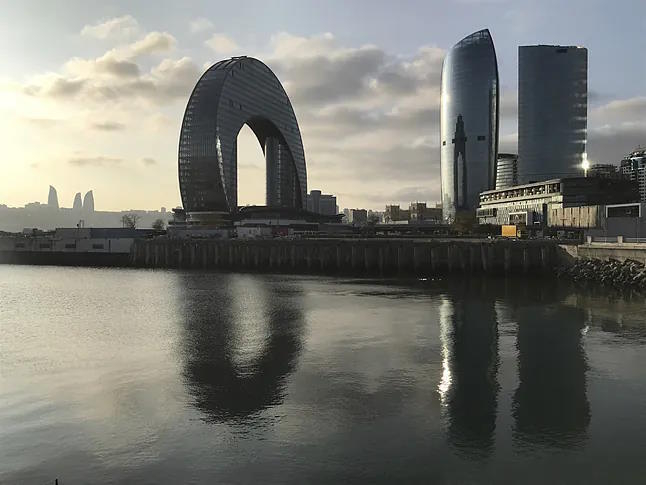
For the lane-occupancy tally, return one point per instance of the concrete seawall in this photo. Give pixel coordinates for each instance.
(350, 256)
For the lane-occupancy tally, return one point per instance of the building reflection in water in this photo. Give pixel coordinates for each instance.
(468, 387)
(228, 376)
(550, 405)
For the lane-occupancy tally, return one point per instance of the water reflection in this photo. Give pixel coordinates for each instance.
(468, 387)
(550, 405)
(230, 374)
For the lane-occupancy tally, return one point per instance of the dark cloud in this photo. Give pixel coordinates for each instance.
(94, 161)
(108, 126)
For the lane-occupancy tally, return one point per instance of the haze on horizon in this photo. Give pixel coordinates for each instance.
(92, 93)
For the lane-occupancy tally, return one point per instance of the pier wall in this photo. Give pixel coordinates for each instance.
(351, 256)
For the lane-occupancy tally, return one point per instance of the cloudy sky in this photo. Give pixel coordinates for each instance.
(92, 92)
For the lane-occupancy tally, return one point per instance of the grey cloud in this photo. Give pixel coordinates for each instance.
(153, 42)
(319, 79)
(116, 28)
(620, 110)
(108, 126)
(94, 161)
(149, 161)
(119, 68)
(611, 144)
(57, 87)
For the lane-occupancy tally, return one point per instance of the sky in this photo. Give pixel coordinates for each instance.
(92, 93)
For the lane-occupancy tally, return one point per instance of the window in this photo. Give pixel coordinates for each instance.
(70, 246)
(19, 245)
(45, 245)
(444, 143)
(481, 137)
(97, 246)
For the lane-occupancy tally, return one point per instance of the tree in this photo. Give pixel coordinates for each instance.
(130, 220)
(159, 225)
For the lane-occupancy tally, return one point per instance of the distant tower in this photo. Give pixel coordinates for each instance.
(88, 202)
(78, 205)
(552, 111)
(52, 198)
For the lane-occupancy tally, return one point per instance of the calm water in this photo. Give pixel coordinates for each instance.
(110, 376)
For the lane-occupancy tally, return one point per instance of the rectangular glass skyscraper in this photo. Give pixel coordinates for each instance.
(552, 111)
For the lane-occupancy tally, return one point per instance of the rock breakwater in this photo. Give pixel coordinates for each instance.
(628, 274)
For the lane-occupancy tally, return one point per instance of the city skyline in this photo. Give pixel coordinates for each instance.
(102, 106)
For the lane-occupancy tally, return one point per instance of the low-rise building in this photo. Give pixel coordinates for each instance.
(358, 217)
(320, 203)
(419, 212)
(536, 203)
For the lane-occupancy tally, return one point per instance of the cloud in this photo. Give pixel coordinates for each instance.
(149, 161)
(118, 28)
(108, 126)
(54, 85)
(248, 166)
(153, 42)
(222, 44)
(200, 24)
(94, 161)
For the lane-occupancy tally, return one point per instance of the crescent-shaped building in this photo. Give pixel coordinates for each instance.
(230, 94)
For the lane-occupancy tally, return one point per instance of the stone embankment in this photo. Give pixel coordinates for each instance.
(628, 274)
(412, 257)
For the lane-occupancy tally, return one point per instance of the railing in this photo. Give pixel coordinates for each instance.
(615, 239)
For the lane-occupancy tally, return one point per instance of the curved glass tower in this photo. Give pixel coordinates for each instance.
(552, 111)
(468, 122)
(231, 93)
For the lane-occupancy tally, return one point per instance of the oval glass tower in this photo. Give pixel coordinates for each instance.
(468, 123)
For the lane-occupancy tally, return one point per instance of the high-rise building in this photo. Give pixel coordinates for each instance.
(604, 170)
(633, 167)
(230, 94)
(552, 111)
(468, 122)
(78, 203)
(52, 198)
(506, 170)
(321, 203)
(88, 202)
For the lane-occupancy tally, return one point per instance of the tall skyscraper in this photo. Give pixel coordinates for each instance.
(468, 122)
(52, 198)
(552, 111)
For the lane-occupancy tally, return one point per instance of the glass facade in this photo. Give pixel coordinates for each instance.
(552, 111)
(230, 94)
(506, 170)
(468, 122)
